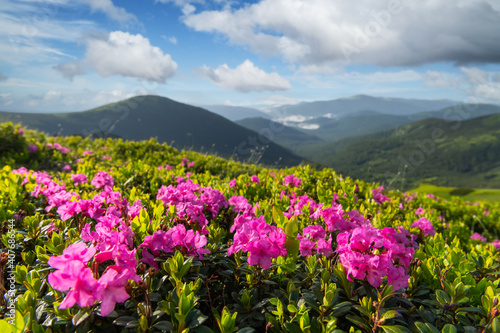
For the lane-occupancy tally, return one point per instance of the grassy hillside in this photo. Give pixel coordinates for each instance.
(459, 154)
(477, 194)
(182, 125)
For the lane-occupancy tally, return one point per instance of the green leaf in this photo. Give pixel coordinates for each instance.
(202, 329)
(6, 327)
(195, 318)
(246, 330)
(291, 228)
(395, 329)
(389, 314)
(442, 297)
(278, 216)
(163, 326)
(426, 327)
(449, 328)
(79, 317)
(124, 320)
(292, 328)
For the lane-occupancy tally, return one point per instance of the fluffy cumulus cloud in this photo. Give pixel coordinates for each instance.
(121, 53)
(478, 85)
(376, 32)
(245, 78)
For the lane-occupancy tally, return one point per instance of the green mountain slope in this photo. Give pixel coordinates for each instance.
(284, 135)
(182, 125)
(367, 122)
(456, 153)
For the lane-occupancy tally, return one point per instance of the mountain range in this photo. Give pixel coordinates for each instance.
(389, 140)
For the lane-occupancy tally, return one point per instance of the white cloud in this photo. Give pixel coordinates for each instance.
(375, 32)
(245, 78)
(70, 69)
(437, 79)
(6, 99)
(477, 84)
(171, 39)
(52, 96)
(121, 53)
(107, 7)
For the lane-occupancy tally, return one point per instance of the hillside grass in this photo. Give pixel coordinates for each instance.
(477, 194)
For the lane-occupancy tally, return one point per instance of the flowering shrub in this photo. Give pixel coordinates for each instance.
(371, 253)
(207, 245)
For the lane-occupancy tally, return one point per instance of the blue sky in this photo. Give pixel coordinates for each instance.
(72, 55)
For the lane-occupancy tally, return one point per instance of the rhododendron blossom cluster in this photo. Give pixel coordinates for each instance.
(192, 201)
(189, 242)
(57, 146)
(425, 226)
(262, 241)
(314, 239)
(478, 237)
(373, 254)
(378, 196)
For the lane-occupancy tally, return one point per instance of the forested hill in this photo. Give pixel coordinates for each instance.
(181, 125)
(458, 153)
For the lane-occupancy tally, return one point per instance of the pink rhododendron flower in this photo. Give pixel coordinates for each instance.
(306, 246)
(177, 238)
(110, 289)
(191, 164)
(292, 181)
(262, 241)
(260, 252)
(102, 179)
(378, 196)
(372, 254)
(478, 237)
(73, 274)
(313, 238)
(232, 183)
(496, 243)
(67, 168)
(87, 152)
(255, 179)
(425, 226)
(79, 179)
(32, 148)
(419, 211)
(80, 282)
